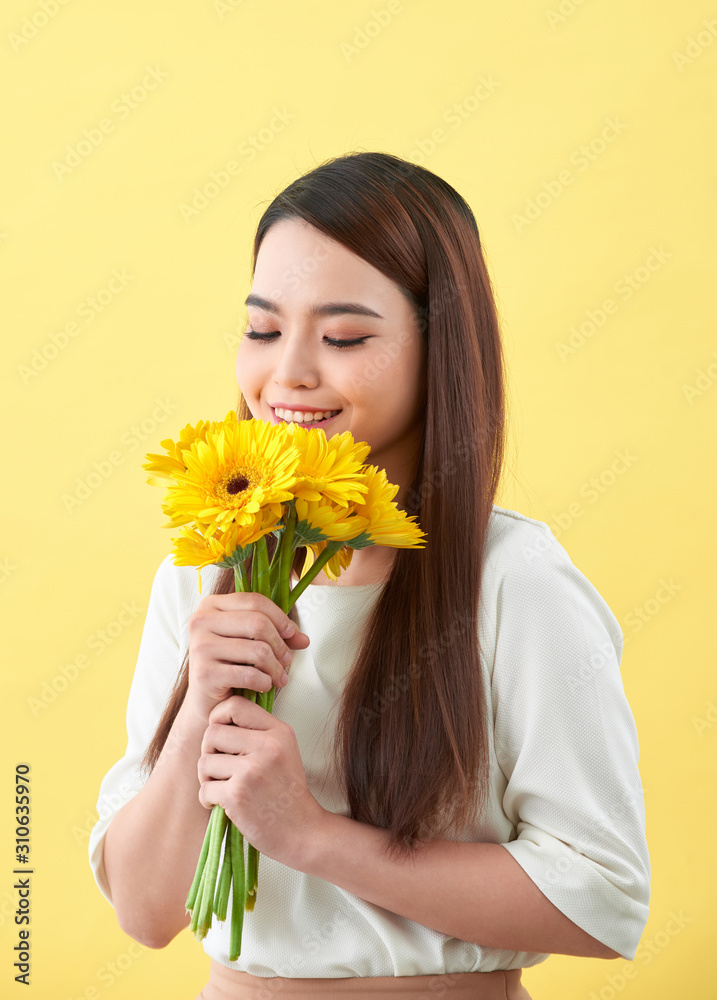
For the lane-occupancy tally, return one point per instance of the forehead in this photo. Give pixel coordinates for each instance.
(300, 269)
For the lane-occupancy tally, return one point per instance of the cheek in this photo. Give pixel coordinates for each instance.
(248, 378)
(390, 383)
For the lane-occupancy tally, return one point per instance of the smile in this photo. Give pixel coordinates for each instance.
(293, 416)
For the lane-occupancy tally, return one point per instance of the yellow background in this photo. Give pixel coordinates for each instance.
(535, 82)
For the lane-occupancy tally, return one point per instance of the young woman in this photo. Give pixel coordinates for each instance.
(447, 790)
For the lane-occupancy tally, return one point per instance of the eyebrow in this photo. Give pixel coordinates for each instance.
(319, 309)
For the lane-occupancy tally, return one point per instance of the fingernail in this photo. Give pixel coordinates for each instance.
(289, 629)
(287, 657)
(284, 678)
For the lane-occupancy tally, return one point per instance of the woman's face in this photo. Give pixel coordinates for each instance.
(311, 292)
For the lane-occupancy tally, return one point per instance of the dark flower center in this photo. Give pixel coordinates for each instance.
(237, 485)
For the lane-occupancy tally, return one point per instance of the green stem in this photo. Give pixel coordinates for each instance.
(261, 558)
(218, 820)
(252, 875)
(241, 578)
(207, 893)
(195, 926)
(194, 922)
(275, 565)
(238, 892)
(191, 898)
(287, 559)
(221, 899)
(266, 698)
(254, 569)
(318, 565)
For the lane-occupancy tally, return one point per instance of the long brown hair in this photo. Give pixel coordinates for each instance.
(411, 740)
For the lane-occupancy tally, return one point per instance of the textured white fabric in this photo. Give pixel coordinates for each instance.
(565, 795)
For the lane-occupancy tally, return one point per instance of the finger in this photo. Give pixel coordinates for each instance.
(221, 739)
(244, 662)
(240, 624)
(254, 660)
(216, 766)
(211, 793)
(242, 712)
(221, 678)
(251, 626)
(256, 602)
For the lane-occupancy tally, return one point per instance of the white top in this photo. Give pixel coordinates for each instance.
(565, 798)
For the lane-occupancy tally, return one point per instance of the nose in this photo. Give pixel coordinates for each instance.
(296, 365)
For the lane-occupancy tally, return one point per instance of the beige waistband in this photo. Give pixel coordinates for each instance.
(228, 984)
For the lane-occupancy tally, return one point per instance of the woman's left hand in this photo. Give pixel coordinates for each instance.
(254, 770)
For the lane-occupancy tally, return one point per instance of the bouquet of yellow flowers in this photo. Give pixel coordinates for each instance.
(230, 484)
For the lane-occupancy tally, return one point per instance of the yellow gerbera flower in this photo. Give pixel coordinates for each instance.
(333, 567)
(387, 525)
(380, 522)
(329, 468)
(229, 548)
(318, 522)
(239, 467)
(166, 467)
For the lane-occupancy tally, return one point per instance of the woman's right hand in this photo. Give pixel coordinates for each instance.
(237, 641)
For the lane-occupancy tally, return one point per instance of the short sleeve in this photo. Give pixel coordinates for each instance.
(566, 741)
(161, 651)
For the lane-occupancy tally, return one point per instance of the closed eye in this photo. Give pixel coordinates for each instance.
(266, 338)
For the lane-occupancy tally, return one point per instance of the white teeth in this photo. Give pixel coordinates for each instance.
(304, 418)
